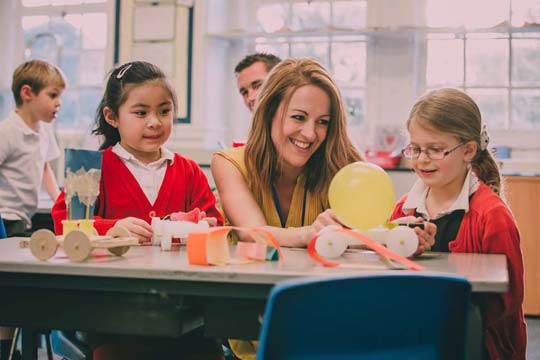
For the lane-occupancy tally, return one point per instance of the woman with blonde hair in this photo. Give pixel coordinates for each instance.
(297, 142)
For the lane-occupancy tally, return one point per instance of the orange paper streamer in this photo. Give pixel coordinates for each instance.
(372, 244)
(211, 247)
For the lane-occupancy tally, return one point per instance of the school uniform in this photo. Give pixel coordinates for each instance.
(23, 154)
(129, 188)
(486, 226)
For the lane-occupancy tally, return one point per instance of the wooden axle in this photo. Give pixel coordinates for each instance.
(77, 245)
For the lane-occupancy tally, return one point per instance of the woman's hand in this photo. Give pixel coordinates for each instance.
(328, 217)
(137, 227)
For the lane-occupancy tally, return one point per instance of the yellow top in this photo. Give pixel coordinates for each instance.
(314, 203)
(246, 350)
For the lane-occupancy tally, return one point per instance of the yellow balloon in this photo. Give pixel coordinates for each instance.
(362, 195)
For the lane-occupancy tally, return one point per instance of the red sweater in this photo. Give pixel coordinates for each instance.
(184, 188)
(489, 227)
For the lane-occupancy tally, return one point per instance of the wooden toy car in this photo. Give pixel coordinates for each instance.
(78, 245)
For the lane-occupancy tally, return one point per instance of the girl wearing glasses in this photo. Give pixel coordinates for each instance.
(459, 189)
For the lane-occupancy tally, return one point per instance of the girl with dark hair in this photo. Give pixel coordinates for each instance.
(139, 174)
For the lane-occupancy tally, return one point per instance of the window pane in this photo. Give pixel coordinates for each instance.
(349, 63)
(493, 104)
(29, 23)
(7, 103)
(45, 45)
(487, 62)
(318, 50)
(69, 32)
(526, 109)
(279, 49)
(349, 14)
(67, 116)
(69, 63)
(92, 68)
(92, 97)
(310, 15)
(444, 62)
(94, 31)
(354, 106)
(471, 14)
(272, 17)
(526, 57)
(525, 12)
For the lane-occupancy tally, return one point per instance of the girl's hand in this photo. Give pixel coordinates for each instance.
(324, 219)
(212, 221)
(137, 227)
(426, 236)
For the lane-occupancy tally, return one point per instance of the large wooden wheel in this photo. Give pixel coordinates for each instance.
(77, 245)
(43, 244)
(118, 232)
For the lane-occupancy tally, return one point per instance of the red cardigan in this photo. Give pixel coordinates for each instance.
(184, 188)
(489, 227)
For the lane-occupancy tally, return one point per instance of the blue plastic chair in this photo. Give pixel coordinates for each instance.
(395, 316)
(66, 345)
(3, 234)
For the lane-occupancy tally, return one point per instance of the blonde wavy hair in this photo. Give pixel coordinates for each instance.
(454, 112)
(262, 159)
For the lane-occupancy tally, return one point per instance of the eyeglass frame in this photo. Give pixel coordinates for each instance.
(445, 153)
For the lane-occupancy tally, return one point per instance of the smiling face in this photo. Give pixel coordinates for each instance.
(144, 120)
(249, 81)
(45, 104)
(448, 173)
(298, 131)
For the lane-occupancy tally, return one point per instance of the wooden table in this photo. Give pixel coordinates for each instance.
(150, 292)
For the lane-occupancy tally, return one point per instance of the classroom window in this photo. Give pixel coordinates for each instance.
(492, 61)
(323, 30)
(73, 35)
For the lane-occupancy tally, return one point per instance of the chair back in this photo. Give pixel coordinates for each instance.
(3, 234)
(394, 316)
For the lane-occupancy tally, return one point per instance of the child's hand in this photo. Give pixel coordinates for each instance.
(137, 227)
(212, 221)
(426, 236)
(328, 217)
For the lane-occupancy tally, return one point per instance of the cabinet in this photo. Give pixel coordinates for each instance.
(523, 195)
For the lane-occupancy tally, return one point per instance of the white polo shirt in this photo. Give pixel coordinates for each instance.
(416, 199)
(23, 153)
(148, 176)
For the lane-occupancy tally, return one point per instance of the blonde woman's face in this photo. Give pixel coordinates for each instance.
(300, 131)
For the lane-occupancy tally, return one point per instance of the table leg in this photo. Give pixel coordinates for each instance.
(29, 348)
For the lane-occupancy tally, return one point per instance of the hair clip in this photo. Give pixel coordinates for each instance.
(123, 71)
(484, 138)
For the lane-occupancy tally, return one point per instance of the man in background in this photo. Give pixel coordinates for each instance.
(250, 73)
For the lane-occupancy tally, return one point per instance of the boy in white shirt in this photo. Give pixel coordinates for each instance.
(27, 146)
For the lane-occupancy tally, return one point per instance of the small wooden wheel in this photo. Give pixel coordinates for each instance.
(118, 232)
(77, 245)
(119, 250)
(43, 244)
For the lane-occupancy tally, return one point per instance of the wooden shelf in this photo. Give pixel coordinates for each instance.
(523, 195)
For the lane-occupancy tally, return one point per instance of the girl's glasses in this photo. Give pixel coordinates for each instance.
(413, 152)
